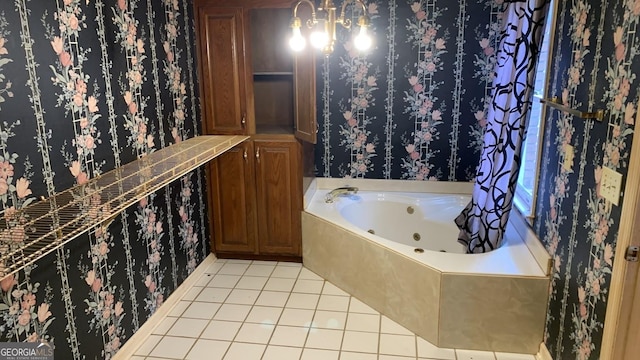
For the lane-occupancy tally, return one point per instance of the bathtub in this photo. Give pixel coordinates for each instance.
(398, 253)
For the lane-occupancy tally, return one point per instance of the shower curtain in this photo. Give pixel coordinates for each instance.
(482, 223)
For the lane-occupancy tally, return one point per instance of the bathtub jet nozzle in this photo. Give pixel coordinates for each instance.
(341, 191)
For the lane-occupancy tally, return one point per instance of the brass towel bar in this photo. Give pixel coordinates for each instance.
(31, 233)
(556, 104)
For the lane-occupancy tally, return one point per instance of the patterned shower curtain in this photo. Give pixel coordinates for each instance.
(482, 223)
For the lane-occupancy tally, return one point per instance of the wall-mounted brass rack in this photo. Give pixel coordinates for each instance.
(30, 233)
(557, 104)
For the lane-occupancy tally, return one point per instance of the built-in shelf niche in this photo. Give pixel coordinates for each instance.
(273, 76)
(50, 223)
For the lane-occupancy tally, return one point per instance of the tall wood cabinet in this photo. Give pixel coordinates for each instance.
(252, 84)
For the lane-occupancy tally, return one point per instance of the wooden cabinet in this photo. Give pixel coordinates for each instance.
(279, 196)
(232, 193)
(257, 199)
(252, 84)
(224, 100)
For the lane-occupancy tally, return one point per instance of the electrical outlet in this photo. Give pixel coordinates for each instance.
(569, 154)
(610, 185)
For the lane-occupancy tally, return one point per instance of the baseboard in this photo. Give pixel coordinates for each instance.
(543, 353)
(134, 342)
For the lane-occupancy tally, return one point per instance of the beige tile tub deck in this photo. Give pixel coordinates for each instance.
(482, 312)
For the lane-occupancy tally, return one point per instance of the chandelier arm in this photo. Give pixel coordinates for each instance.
(313, 19)
(342, 20)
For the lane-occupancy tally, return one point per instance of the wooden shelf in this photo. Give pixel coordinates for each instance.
(51, 223)
(272, 73)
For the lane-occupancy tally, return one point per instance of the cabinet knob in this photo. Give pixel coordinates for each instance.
(258, 155)
(244, 120)
(245, 155)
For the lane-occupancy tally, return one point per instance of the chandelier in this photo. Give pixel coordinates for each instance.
(323, 24)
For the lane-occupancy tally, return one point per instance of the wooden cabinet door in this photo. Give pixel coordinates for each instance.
(222, 61)
(304, 90)
(279, 196)
(233, 191)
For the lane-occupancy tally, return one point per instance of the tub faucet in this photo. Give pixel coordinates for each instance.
(341, 191)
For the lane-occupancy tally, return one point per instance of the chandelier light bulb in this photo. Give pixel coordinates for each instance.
(362, 41)
(319, 39)
(297, 42)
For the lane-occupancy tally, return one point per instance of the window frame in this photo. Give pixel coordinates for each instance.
(525, 201)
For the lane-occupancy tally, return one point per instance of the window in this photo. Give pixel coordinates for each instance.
(527, 185)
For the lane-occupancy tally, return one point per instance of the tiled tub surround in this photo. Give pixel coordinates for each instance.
(495, 301)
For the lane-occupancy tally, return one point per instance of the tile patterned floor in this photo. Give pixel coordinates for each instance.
(259, 310)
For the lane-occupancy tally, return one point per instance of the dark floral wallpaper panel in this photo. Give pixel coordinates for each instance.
(86, 86)
(414, 106)
(595, 66)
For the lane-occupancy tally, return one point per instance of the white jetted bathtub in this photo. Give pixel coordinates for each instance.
(398, 252)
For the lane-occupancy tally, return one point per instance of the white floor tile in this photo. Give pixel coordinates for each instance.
(307, 274)
(239, 261)
(474, 355)
(264, 262)
(346, 355)
(389, 326)
(399, 345)
(296, 317)
(255, 333)
(233, 269)
(324, 339)
(333, 303)
(363, 322)
(288, 272)
(173, 347)
(302, 301)
(272, 298)
(358, 306)
(210, 294)
(264, 315)
(259, 270)
(204, 280)
(188, 327)
(164, 326)
(215, 267)
(308, 286)
(242, 351)
(510, 356)
(274, 352)
(291, 264)
(191, 294)
(330, 319)
(232, 312)
(242, 296)
(137, 358)
(179, 308)
(201, 310)
(360, 342)
(221, 330)
(148, 345)
(430, 351)
(317, 354)
(251, 282)
(394, 357)
(279, 284)
(289, 336)
(205, 349)
(330, 289)
(224, 281)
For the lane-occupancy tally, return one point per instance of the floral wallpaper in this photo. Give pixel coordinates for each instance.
(86, 86)
(414, 106)
(594, 67)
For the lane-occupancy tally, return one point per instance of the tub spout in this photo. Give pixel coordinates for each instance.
(341, 191)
